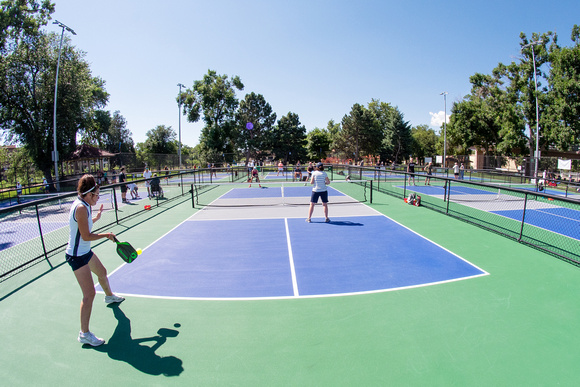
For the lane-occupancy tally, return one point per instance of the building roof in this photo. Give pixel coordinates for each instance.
(84, 152)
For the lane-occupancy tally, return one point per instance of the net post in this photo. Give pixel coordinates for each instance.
(371, 195)
(116, 204)
(42, 237)
(448, 193)
(523, 217)
(192, 197)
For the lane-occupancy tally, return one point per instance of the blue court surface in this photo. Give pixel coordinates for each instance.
(285, 258)
(563, 221)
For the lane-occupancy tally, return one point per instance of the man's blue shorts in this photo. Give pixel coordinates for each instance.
(80, 261)
(322, 195)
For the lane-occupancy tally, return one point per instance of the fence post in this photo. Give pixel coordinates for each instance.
(523, 217)
(116, 205)
(42, 237)
(447, 193)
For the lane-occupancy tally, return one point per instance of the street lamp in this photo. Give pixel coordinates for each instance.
(55, 153)
(537, 154)
(444, 94)
(179, 149)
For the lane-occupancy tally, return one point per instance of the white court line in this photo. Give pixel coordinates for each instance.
(291, 257)
(542, 210)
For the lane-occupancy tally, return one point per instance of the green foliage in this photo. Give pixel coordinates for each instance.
(563, 109)
(501, 105)
(108, 132)
(396, 143)
(161, 139)
(318, 144)
(288, 139)
(424, 142)
(27, 77)
(360, 134)
(118, 137)
(20, 20)
(17, 165)
(214, 97)
(256, 110)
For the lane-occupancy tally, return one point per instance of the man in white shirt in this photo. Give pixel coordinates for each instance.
(320, 180)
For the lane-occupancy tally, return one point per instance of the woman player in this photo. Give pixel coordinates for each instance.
(82, 259)
(320, 181)
(255, 175)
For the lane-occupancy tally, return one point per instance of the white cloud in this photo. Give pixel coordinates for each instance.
(438, 118)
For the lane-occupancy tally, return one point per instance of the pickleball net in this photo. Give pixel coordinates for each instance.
(276, 194)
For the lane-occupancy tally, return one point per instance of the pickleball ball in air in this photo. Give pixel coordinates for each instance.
(139, 251)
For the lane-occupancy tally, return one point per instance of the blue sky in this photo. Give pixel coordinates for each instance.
(315, 58)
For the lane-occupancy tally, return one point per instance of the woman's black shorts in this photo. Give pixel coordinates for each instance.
(322, 195)
(76, 262)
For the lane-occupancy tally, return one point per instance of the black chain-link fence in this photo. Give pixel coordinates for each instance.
(545, 216)
(36, 230)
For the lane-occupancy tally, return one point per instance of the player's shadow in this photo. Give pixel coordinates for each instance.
(344, 223)
(121, 346)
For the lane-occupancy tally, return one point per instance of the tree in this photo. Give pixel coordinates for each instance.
(17, 166)
(94, 132)
(490, 117)
(161, 140)
(255, 110)
(119, 138)
(214, 97)
(563, 112)
(424, 141)
(288, 139)
(108, 133)
(20, 20)
(160, 143)
(360, 134)
(318, 144)
(397, 142)
(27, 75)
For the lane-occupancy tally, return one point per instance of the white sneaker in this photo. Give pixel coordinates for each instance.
(114, 298)
(90, 339)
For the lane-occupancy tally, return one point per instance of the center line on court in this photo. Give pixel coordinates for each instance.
(291, 256)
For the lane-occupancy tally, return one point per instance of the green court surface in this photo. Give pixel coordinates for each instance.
(513, 327)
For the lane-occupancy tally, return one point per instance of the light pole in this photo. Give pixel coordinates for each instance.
(55, 152)
(444, 94)
(537, 154)
(179, 149)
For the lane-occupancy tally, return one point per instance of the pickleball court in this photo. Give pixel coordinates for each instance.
(271, 252)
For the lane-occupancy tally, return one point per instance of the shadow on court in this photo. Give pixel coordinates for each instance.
(121, 346)
(344, 223)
